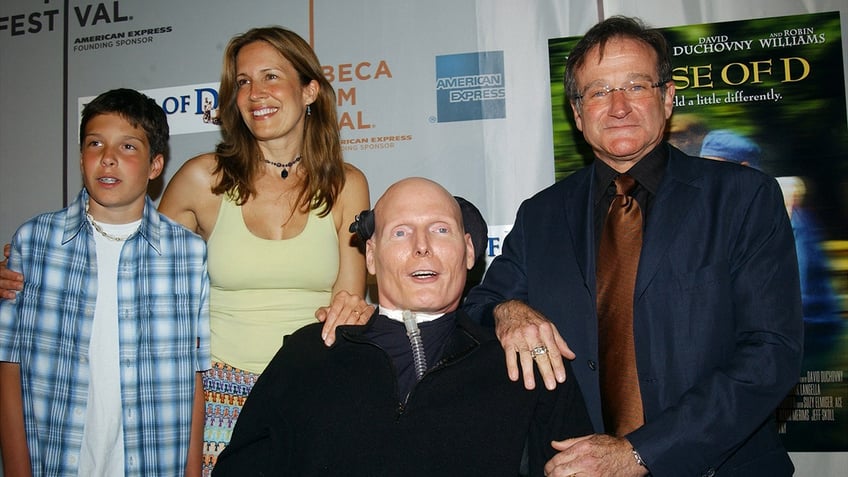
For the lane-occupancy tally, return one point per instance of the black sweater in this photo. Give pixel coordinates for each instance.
(336, 411)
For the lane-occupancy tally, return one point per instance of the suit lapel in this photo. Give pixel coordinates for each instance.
(579, 214)
(677, 192)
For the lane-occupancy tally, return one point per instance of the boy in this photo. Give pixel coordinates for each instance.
(101, 353)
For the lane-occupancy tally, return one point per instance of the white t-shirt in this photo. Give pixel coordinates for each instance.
(102, 453)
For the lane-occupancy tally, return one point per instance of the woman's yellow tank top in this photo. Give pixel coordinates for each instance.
(262, 290)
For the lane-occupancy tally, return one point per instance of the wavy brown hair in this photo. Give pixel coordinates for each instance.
(321, 152)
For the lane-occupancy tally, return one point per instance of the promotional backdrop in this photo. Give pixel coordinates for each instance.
(454, 90)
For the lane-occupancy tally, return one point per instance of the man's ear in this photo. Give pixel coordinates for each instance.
(469, 252)
(369, 257)
(578, 117)
(668, 100)
(156, 166)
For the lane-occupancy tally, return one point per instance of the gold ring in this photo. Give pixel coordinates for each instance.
(538, 351)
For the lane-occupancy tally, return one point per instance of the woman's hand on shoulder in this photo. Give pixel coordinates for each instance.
(345, 309)
(188, 197)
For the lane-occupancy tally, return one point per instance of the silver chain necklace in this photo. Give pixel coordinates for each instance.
(102, 232)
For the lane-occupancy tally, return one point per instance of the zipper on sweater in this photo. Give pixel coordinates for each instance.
(401, 406)
(444, 362)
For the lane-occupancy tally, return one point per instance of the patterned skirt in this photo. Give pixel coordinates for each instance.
(225, 388)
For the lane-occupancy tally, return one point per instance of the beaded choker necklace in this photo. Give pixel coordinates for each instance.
(285, 172)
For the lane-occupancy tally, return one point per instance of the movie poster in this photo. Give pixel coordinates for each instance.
(768, 93)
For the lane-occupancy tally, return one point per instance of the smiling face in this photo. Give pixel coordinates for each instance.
(116, 168)
(271, 98)
(622, 131)
(420, 252)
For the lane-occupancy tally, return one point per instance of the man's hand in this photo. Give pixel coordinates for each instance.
(10, 282)
(597, 455)
(521, 329)
(345, 309)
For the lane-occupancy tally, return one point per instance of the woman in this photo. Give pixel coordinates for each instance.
(274, 203)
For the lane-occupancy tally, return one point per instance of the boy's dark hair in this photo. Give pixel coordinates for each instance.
(137, 109)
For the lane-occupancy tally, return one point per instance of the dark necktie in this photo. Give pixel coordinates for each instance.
(618, 259)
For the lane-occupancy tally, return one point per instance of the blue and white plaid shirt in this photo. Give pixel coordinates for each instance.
(163, 292)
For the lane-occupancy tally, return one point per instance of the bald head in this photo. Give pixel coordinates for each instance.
(409, 190)
(420, 252)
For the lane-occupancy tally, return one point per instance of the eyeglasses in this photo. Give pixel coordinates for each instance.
(636, 89)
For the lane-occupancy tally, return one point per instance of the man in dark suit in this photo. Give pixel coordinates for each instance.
(716, 315)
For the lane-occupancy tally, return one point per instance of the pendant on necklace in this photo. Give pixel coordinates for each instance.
(285, 167)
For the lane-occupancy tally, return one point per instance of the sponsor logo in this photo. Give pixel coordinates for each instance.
(470, 86)
(190, 108)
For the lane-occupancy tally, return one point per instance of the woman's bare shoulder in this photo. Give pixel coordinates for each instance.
(355, 178)
(353, 199)
(199, 168)
(188, 197)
